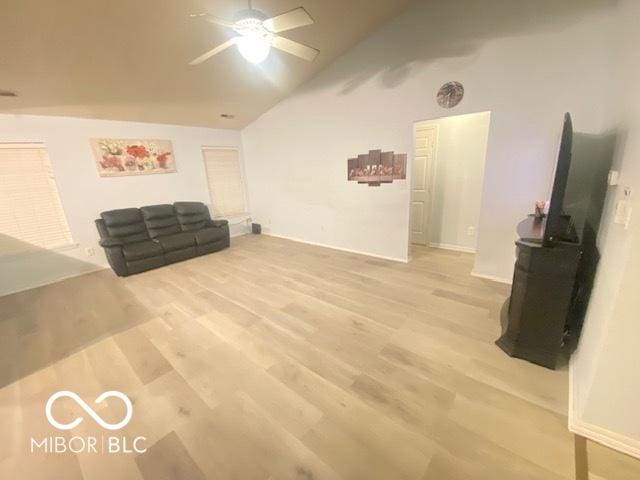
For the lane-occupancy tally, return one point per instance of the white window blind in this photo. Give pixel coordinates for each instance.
(31, 214)
(226, 186)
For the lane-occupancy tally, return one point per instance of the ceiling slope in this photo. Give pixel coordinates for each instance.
(128, 60)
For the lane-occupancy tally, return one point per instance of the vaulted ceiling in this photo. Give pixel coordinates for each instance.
(128, 59)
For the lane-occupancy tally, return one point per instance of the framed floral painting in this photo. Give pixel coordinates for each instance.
(122, 156)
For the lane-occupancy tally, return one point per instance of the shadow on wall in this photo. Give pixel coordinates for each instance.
(592, 158)
(587, 186)
(430, 30)
(43, 325)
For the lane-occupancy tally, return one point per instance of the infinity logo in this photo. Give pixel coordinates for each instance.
(89, 410)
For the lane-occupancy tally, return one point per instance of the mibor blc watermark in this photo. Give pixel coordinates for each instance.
(104, 444)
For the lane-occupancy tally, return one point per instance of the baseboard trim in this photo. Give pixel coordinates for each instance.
(613, 440)
(50, 282)
(332, 247)
(455, 248)
(603, 436)
(493, 278)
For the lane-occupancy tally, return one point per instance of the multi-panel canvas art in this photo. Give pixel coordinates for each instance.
(400, 166)
(386, 167)
(377, 167)
(117, 157)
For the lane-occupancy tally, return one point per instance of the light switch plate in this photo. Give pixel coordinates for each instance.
(623, 212)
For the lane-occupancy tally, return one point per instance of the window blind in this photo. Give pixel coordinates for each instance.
(226, 185)
(31, 214)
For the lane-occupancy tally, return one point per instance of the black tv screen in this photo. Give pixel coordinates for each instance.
(558, 223)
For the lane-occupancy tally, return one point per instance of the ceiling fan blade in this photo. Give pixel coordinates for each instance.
(298, 17)
(295, 48)
(214, 51)
(211, 19)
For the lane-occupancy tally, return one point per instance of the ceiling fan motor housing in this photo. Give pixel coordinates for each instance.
(248, 14)
(255, 40)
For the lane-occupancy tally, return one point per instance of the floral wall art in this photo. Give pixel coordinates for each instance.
(118, 157)
(377, 167)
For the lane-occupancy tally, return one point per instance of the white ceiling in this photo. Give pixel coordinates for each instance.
(127, 59)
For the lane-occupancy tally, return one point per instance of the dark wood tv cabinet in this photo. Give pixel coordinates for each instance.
(536, 314)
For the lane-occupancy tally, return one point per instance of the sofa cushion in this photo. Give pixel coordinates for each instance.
(140, 250)
(125, 224)
(160, 220)
(209, 235)
(177, 241)
(192, 215)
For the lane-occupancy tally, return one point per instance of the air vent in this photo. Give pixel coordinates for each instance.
(7, 93)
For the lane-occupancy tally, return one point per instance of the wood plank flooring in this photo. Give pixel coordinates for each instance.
(279, 360)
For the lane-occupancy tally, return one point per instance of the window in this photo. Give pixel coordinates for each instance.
(31, 214)
(226, 186)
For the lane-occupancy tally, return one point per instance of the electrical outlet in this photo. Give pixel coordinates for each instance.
(471, 231)
(90, 251)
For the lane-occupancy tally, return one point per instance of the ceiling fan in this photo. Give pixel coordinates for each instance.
(257, 34)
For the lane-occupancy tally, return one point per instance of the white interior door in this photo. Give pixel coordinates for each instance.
(423, 161)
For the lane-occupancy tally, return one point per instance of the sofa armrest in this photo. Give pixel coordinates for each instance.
(116, 259)
(111, 242)
(217, 223)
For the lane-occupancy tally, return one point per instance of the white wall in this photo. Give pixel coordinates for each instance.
(458, 177)
(525, 64)
(605, 370)
(84, 194)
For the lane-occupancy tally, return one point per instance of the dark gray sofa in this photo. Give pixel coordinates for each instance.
(139, 239)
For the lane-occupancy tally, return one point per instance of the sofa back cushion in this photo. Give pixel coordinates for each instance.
(160, 220)
(192, 215)
(125, 224)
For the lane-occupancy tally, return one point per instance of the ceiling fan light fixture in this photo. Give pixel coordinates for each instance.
(256, 34)
(254, 48)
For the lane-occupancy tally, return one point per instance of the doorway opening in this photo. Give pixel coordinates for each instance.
(446, 181)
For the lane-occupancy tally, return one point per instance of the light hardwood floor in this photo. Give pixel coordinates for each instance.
(280, 360)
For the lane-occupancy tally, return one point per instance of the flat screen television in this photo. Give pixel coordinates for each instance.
(559, 225)
(579, 187)
(575, 211)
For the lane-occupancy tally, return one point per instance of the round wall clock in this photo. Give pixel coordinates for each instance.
(450, 94)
